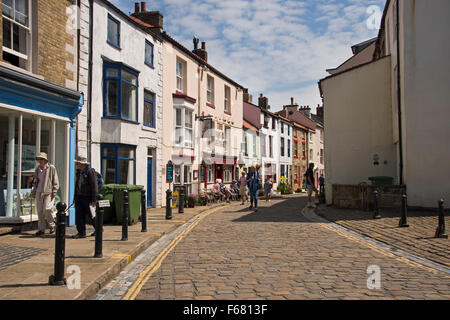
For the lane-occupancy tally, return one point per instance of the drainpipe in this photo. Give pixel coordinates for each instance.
(89, 104)
(199, 70)
(399, 98)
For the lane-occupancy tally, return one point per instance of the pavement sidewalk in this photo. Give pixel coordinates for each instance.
(417, 239)
(27, 261)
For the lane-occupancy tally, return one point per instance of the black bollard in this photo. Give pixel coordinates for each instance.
(440, 231)
(376, 211)
(403, 223)
(99, 229)
(57, 278)
(181, 201)
(143, 212)
(168, 204)
(125, 215)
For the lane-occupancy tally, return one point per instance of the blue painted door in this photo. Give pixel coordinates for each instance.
(149, 182)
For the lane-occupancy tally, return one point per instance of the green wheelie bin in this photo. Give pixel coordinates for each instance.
(109, 213)
(134, 200)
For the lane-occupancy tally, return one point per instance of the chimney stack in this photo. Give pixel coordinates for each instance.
(202, 53)
(154, 18)
(247, 97)
(263, 102)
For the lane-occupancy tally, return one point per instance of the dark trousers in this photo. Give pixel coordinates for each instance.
(254, 198)
(82, 214)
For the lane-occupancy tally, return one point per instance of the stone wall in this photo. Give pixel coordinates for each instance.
(351, 196)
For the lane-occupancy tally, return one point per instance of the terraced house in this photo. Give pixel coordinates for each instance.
(202, 114)
(124, 97)
(39, 100)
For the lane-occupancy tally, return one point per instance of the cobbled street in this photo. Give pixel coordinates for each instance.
(278, 253)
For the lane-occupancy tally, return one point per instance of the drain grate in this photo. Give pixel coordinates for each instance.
(11, 255)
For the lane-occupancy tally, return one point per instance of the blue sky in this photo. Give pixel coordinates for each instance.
(277, 47)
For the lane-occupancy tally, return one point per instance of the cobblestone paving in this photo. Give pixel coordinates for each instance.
(11, 255)
(277, 253)
(417, 239)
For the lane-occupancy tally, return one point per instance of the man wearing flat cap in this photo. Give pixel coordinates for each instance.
(86, 190)
(45, 186)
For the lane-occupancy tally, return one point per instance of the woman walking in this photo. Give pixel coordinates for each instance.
(243, 188)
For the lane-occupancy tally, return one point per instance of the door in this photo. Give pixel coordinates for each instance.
(149, 182)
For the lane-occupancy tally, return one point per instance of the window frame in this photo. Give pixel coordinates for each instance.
(116, 158)
(210, 89)
(183, 127)
(153, 108)
(227, 101)
(117, 22)
(183, 64)
(28, 31)
(119, 67)
(289, 148)
(282, 147)
(150, 63)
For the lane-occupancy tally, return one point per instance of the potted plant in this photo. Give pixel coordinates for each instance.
(299, 190)
(192, 199)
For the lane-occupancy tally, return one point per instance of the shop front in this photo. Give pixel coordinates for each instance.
(35, 116)
(218, 167)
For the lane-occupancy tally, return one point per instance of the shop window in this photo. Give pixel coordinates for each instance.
(16, 33)
(227, 173)
(202, 173)
(149, 109)
(113, 31)
(120, 92)
(211, 174)
(118, 163)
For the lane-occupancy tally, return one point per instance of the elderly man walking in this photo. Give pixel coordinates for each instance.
(86, 190)
(45, 186)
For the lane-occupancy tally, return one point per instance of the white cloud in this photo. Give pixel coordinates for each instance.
(277, 47)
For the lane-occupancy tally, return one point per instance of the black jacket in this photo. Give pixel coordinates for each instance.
(87, 186)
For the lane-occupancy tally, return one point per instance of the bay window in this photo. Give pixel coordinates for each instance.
(184, 127)
(120, 92)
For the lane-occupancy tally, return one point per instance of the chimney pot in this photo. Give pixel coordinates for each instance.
(292, 101)
(203, 45)
(143, 6)
(136, 7)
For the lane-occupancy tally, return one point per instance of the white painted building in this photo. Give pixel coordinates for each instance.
(125, 107)
(270, 145)
(389, 114)
(285, 154)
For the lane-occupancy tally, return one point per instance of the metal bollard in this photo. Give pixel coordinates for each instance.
(99, 229)
(440, 231)
(60, 246)
(125, 215)
(403, 223)
(143, 212)
(376, 211)
(181, 202)
(168, 204)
